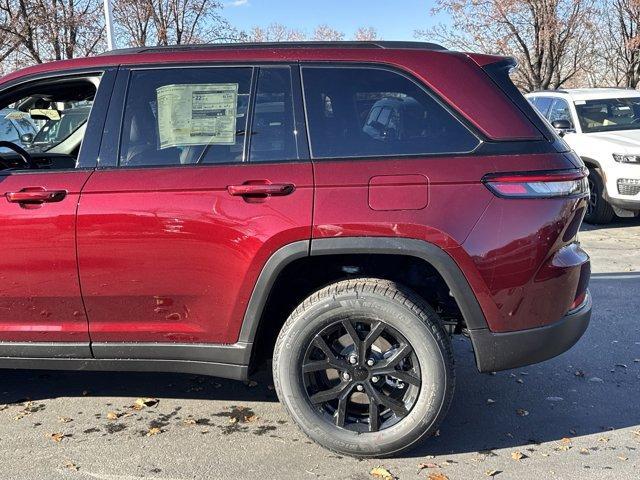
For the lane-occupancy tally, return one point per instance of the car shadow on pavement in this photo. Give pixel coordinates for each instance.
(590, 389)
(616, 223)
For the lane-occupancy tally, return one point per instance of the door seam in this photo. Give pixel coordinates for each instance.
(75, 231)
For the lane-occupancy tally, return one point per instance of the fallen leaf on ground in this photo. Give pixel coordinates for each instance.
(518, 455)
(623, 458)
(112, 415)
(492, 473)
(603, 439)
(381, 472)
(65, 419)
(71, 466)
(422, 466)
(142, 402)
(153, 431)
(57, 437)
(437, 476)
(565, 441)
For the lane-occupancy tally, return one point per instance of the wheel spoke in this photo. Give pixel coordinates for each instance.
(371, 337)
(391, 362)
(348, 326)
(331, 360)
(330, 394)
(380, 398)
(404, 376)
(316, 365)
(374, 418)
(341, 412)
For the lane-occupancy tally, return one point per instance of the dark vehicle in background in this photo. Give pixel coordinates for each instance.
(342, 208)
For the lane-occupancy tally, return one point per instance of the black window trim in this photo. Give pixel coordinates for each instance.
(380, 66)
(109, 152)
(91, 143)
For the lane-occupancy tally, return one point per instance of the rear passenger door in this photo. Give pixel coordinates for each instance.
(186, 206)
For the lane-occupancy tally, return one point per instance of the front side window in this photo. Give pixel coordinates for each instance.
(361, 112)
(48, 119)
(185, 116)
(608, 114)
(542, 104)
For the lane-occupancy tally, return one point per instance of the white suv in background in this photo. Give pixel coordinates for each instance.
(602, 125)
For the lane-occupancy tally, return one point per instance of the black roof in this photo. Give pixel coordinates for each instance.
(270, 45)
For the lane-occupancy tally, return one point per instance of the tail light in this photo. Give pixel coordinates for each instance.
(543, 184)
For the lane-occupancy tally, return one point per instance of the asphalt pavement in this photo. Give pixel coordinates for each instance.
(574, 417)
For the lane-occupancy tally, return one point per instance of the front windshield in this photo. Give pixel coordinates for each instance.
(608, 114)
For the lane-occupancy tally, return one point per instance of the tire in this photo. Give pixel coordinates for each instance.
(599, 211)
(371, 306)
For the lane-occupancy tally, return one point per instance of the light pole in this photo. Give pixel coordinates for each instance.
(108, 19)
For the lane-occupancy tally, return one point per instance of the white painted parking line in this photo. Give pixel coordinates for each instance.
(615, 277)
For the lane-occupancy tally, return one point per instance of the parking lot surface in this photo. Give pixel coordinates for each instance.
(574, 417)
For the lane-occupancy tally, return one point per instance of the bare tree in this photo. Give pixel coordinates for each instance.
(43, 30)
(133, 21)
(275, 32)
(172, 22)
(364, 34)
(548, 37)
(617, 60)
(326, 33)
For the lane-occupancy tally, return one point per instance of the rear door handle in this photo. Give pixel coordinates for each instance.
(35, 195)
(260, 190)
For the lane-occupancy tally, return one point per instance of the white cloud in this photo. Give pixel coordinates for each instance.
(238, 3)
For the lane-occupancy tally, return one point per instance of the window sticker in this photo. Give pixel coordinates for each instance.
(197, 114)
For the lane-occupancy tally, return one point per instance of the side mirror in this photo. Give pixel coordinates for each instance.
(562, 126)
(26, 138)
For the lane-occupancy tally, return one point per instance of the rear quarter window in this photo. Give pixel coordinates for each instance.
(369, 111)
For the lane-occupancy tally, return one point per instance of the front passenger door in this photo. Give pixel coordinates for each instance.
(41, 310)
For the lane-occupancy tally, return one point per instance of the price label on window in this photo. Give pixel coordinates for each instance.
(197, 114)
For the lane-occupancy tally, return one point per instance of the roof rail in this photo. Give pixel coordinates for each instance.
(549, 91)
(265, 45)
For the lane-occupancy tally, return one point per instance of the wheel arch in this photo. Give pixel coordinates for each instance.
(432, 254)
(591, 162)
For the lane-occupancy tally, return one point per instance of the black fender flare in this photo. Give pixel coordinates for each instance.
(432, 254)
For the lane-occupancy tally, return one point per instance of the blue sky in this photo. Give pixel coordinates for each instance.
(393, 19)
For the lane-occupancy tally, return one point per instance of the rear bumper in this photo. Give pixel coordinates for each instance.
(502, 351)
(625, 203)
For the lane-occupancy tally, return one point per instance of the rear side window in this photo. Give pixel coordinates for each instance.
(185, 116)
(363, 112)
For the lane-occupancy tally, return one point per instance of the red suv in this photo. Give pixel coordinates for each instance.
(344, 208)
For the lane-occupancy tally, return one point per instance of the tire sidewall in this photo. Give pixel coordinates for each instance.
(602, 211)
(434, 371)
